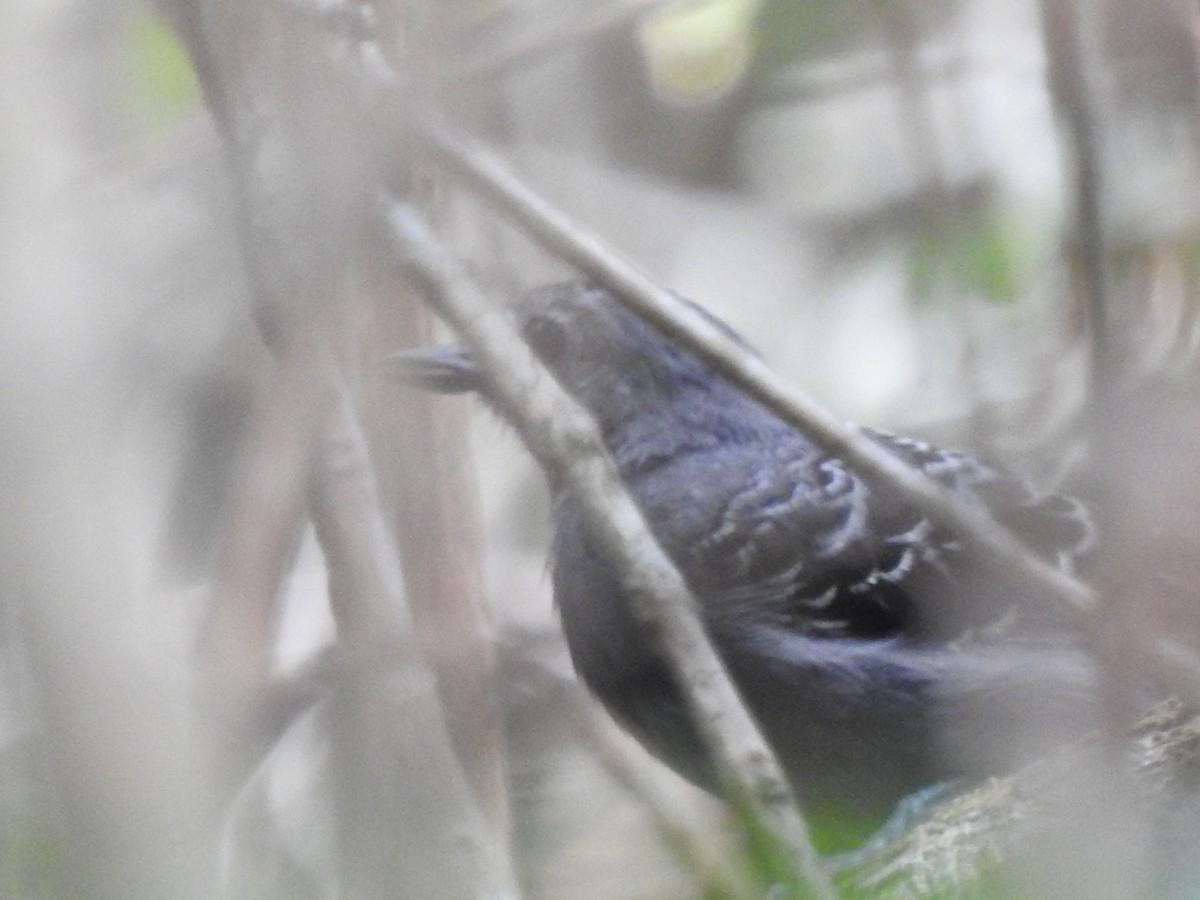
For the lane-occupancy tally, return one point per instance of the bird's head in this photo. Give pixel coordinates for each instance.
(619, 366)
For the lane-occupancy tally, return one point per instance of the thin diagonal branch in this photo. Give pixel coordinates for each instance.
(631, 770)
(566, 441)
(677, 833)
(549, 226)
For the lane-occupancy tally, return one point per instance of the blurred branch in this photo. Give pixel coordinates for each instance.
(630, 768)
(388, 710)
(377, 706)
(1112, 492)
(918, 117)
(565, 440)
(99, 775)
(365, 583)
(1067, 78)
(260, 533)
(422, 463)
(995, 833)
(676, 832)
(298, 160)
(486, 174)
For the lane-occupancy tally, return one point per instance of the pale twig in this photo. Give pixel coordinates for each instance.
(677, 833)
(392, 751)
(566, 441)
(549, 226)
(424, 476)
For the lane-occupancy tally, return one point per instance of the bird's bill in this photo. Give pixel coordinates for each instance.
(443, 370)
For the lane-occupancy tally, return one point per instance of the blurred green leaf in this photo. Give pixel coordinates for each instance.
(793, 30)
(700, 50)
(772, 867)
(799, 31)
(162, 86)
(989, 254)
(990, 259)
(926, 265)
(770, 864)
(32, 862)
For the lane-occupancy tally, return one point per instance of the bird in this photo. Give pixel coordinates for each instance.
(876, 657)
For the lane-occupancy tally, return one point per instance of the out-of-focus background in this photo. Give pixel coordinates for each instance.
(958, 219)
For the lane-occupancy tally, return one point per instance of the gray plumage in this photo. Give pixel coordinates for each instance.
(876, 658)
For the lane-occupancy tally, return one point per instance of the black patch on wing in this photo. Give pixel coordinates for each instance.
(1055, 527)
(866, 565)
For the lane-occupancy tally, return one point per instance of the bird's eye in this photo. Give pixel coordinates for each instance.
(548, 337)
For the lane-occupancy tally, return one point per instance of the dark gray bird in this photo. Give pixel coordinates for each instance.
(875, 657)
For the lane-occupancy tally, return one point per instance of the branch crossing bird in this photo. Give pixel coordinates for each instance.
(876, 657)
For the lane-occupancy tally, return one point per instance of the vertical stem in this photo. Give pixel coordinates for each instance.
(1066, 62)
(426, 482)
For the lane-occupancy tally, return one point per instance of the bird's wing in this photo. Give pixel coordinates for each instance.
(796, 540)
(1052, 525)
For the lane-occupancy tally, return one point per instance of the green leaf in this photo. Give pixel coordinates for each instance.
(162, 87)
(989, 254)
